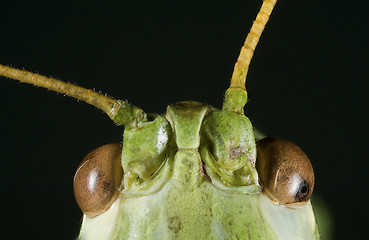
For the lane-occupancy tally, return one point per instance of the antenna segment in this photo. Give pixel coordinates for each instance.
(119, 111)
(236, 95)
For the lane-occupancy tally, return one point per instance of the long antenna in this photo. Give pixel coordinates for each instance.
(119, 111)
(236, 95)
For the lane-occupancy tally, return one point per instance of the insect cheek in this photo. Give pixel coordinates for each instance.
(230, 142)
(285, 171)
(144, 150)
(228, 149)
(98, 178)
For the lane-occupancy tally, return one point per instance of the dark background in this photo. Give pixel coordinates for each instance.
(306, 83)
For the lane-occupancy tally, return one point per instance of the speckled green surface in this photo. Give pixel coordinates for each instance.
(204, 212)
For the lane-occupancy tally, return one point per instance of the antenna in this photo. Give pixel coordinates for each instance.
(236, 95)
(119, 111)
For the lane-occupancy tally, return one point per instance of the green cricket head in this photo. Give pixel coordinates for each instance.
(196, 172)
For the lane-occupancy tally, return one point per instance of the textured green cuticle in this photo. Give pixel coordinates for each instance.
(187, 118)
(144, 150)
(234, 100)
(129, 115)
(197, 213)
(229, 140)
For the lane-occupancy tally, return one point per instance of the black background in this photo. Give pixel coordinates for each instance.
(306, 83)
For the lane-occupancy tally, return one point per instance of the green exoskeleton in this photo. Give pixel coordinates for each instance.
(196, 172)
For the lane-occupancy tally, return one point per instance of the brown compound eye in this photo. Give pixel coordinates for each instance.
(98, 178)
(285, 171)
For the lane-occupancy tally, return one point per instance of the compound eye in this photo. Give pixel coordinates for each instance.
(285, 171)
(98, 178)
